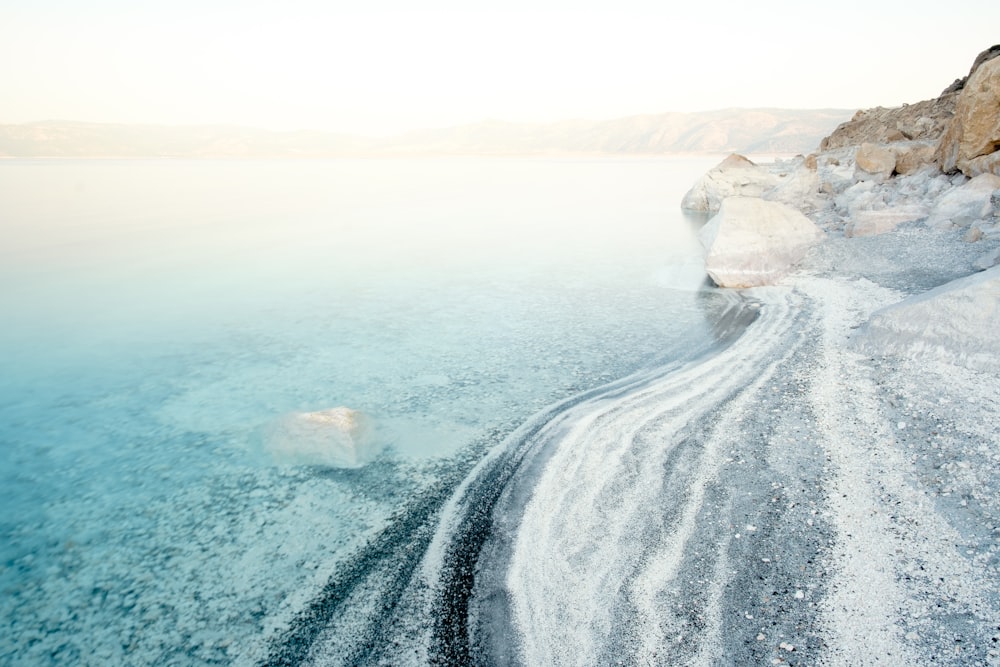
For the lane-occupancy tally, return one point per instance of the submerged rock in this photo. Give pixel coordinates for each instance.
(752, 242)
(956, 322)
(736, 176)
(339, 437)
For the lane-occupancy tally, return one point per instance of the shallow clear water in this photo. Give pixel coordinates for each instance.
(160, 316)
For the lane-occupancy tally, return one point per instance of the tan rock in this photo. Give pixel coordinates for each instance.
(975, 130)
(874, 161)
(924, 121)
(752, 242)
(810, 162)
(911, 156)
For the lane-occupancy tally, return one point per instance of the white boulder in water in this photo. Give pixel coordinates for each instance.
(734, 176)
(339, 437)
(957, 322)
(752, 242)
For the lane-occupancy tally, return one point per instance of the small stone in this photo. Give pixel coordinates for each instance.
(799, 595)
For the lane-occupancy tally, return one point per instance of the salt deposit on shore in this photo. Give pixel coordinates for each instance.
(908, 421)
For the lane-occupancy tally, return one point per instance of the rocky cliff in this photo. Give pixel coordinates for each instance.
(962, 125)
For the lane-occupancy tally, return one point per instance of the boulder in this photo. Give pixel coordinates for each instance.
(912, 156)
(974, 132)
(874, 162)
(956, 322)
(338, 437)
(752, 242)
(871, 223)
(734, 176)
(966, 204)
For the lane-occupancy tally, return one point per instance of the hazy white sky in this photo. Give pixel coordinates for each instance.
(378, 66)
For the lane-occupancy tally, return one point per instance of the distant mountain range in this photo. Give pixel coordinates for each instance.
(728, 130)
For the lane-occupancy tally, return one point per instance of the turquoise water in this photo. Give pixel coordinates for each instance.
(161, 316)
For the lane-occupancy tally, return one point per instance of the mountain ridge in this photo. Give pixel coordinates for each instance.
(761, 130)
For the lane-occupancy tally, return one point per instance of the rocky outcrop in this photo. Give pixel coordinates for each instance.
(923, 121)
(972, 140)
(338, 437)
(963, 123)
(752, 242)
(987, 55)
(736, 176)
(956, 322)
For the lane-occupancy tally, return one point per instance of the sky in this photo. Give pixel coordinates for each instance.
(384, 66)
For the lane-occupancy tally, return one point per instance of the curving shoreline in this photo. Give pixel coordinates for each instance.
(792, 498)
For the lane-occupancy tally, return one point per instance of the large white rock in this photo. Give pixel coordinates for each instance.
(799, 188)
(339, 437)
(957, 322)
(752, 242)
(965, 204)
(734, 176)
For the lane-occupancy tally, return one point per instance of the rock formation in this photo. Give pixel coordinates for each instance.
(971, 143)
(923, 121)
(958, 131)
(752, 242)
(338, 437)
